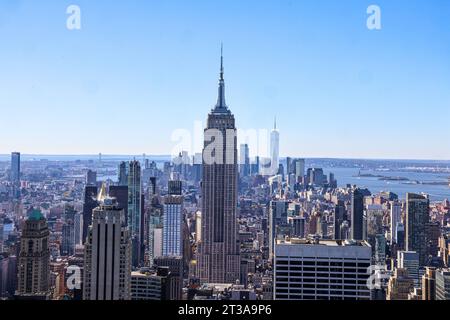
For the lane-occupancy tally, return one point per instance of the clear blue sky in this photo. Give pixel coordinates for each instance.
(138, 70)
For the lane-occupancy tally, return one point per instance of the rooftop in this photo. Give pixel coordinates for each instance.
(329, 243)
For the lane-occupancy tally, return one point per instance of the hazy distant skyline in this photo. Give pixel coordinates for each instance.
(138, 70)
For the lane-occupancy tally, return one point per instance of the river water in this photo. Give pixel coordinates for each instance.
(374, 184)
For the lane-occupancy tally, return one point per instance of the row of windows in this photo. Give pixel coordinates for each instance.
(349, 269)
(353, 275)
(361, 264)
(334, 281)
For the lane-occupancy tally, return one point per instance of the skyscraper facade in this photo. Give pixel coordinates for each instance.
(219, 258)
(173, 221)
(122, 179)
(357, 215)
(244, 160)
(321, 270)
(275, 148)
(134, 221)
(107, 269)
(91, 178)
(90, 202)
(396, 216)
(15, 167)
(417, 218)
(34, 259)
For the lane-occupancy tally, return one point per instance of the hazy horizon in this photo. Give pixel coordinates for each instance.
(137, 71)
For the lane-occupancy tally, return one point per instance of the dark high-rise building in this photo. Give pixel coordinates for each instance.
(433, 233)
(340, 215)
(120, 193)
(91, 178)
(34, 259)
(152, 187)
(219, 258)
(123, 175)
(417, 218)
(90, 203)
(357, 215)
(135, 210)
(175, 265)
(15, 168)
(175, 188)
(244, 160)
(298, 226)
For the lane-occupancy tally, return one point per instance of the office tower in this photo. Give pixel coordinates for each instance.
(316, 177)
(444, 249)
(298, 226)
(15, 168)
(91, 178)
(120, 193)
(409, 260)
(374, 223)
(155, 233)
(400, 232)
(175, 188)
(107, 255)
(400, 285)
(357, 215)
(345, 230)
(275, 148)
(68, 238)
(340, 215)
(245, 160)
(332, 182)
(289, 166)
(380, 249)
(321, 270)
(134, 221)
(176, 269)
(299, 169)
(433, 233)
(34, 259)
(429, 284)
(443, 284)
(173, 221)
(122, 177)
(197, 168)
(78, 229)
(152, 188)
(417, 217)
(255, 170)
(396, 218)
(278, 220)
(219, 257)
(90, 203)
(8, 275)
(148, 285)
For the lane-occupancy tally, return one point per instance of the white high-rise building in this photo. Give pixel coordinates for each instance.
(107, 269)
(321, 270)
(173, 226)
(275, 149)
(78, 229)
(396, 218)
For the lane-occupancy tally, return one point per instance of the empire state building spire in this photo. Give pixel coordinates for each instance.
(221, 106)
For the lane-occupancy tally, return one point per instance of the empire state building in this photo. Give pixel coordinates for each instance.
(219, 259)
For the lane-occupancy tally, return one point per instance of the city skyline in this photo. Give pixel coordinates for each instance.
(281, 67)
